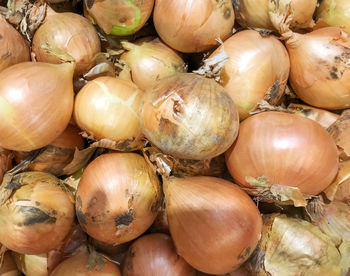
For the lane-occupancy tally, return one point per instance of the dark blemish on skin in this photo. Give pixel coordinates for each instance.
(334, 73)
(245, 254)
(37, 203)
(0, 36)
(79, 202)
(227, 13)
(274, 90)
(81, 217)
(34, 215)
(15, 184)
(90, 3)
(124, 219)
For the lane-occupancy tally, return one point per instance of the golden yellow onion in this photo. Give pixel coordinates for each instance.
(66, 37)
(193, 26)
(257, 69)
(13, 48)
(150, 61)
(335, 13)
(31, 265)
(189, 116)
(38, 214)
(36, 104)
(118, 197)
(8, 266)
(108, 108)
(119, 17)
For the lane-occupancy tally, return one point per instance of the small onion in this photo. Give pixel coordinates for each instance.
(65, 37)
(6, 157)
(215, 225)
(335, 13)
(193, 26)
(38, 214)
(118, 197)
(119, 17)
(285, 149)
(36, 104)
(189, 116)
(155, 255)
(31, 265)
(13, 48)
(257, 69)
(108, 108)
(150, 61)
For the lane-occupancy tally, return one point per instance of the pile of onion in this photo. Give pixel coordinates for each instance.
(67, 37)
(155, 254)
(335, 13)
(283, 149)
(193, 26)
(36, 215)
(118, 197)
(257, 69)
(215, 225)
(189, 116)
(36, 104)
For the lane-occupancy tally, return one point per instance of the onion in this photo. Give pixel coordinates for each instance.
(31, 265)
(119, 17)
(193, 26)
(36, 104)
(6, 157)
(108, 108)
(189, 117)
(255, 13)
(257, 69)
(279, 148)
(335, 13)
(215, 225)
(13, 48)
(37, 215)
(82, 264)
(155, 255)
(58, 154)
(340, 130)
(66, 37)
(118, 197)
(8, 266)
(150, 61)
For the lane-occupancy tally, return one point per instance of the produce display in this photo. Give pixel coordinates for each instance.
(175, 137)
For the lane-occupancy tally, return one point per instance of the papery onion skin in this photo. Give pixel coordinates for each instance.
(118, 197)
(36, 104)
(117, 17)
(193, 26)
(155, 255)
(150, 61)
(37, 216)
(31, 265)
(221, 222)
(6, 159)
(340, 132)
(335, 13)
(320, 72)
(189, 116)
(257, 69)
(286, 149)
(67, 34)
(108, 108)
(13, 48)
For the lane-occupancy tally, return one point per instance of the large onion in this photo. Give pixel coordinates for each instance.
(257, 69)
(13, 47)
(189, 116)
(283, 149)
(38, 214)
(65, 37)
(36, 104)
(118, 197)
(335, 13)
(119, 17)
(193, 26)
(155, 255)
(215, 225)
(150, 61)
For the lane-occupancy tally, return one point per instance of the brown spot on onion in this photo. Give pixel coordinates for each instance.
(34, 215)
(124, 219)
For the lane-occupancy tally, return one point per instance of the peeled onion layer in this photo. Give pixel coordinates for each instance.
(335, 13)
(339, 131)
(257, 69)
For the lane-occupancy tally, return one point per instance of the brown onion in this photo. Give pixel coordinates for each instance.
(66, 37)
(257, 69)
(189, 117)
(150, 61)
(118, 197)
(340, 130)
(283, 149)
(36, 104)
(335, 13)
(108, 108)
(215, 225)
(119, 17)
(8, 266)
(193, 26)
(31, 265)
(13, 48)
(155, 255)
(38, 214)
